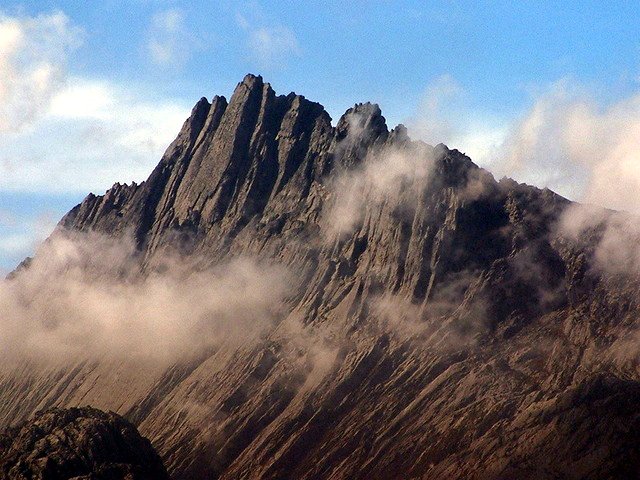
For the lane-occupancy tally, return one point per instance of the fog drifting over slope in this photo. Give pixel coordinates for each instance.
(83, 296)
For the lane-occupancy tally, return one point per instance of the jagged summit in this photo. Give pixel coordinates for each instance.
(232, 159)
(259, 172)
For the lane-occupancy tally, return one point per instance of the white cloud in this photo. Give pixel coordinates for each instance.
(387, 177)
(570, 143)
(242, 21)
(435, 121)
(443, 116)
(16, 243)
(7, 218)
(93, 134)
(33, 55)
(481, 140)
(169, 43)
(83, 134)
(20, 233)
(565, 141)
(82, 99)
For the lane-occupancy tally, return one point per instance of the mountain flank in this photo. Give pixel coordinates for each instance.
(431, 322)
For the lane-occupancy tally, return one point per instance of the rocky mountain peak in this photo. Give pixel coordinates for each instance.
(362, 117)
(437, 323)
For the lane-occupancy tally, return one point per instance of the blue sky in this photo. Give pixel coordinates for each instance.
(92, 92)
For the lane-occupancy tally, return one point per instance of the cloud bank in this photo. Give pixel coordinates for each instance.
(83, 297)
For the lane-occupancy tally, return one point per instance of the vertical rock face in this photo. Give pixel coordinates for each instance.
(228, 163)
(447, 328)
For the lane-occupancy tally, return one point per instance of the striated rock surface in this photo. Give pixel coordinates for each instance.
(448, 327)
(78, 443)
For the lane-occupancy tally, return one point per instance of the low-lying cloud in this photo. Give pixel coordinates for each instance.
(382, 177)
(84, 296)
(614, 237)
(364, 189)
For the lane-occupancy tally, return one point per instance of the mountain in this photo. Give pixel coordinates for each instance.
(428, 321)
(78, 443)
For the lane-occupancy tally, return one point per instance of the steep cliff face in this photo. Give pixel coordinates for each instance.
(445, 325)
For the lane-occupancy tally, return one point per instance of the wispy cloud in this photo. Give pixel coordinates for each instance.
(20, 233)
(7, 218)
(16, 244)
(100, 306)
(169, 43)
(270, 46)
(444, 116)
(33, 59)
(435, 121)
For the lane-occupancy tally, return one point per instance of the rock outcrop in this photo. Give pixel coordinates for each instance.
(449, 327)
(78, 443)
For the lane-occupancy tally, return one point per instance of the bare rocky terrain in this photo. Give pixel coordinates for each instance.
(78, 443)
(437, 323)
